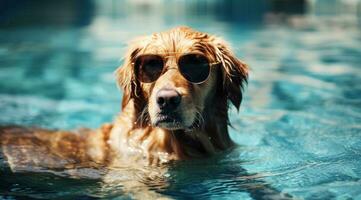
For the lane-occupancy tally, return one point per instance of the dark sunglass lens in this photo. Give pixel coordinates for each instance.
(148, 68)
(194, 67)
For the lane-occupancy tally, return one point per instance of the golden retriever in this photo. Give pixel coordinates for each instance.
(177, 86)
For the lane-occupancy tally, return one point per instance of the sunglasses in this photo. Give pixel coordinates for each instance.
(194, 67)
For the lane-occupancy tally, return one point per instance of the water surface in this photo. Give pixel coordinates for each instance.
(298, 128)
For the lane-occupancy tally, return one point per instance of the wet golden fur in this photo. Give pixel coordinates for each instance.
(132, 137)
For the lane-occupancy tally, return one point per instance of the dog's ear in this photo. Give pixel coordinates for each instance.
(234, 72)
(126, 78)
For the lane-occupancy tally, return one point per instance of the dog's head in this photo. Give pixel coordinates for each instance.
(176, 76)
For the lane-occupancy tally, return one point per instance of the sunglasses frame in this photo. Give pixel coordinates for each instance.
(210, 64)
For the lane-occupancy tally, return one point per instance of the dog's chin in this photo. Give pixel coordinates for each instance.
(169, 122)
(170, 126)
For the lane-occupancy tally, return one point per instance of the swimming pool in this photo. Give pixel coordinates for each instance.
(298, 128)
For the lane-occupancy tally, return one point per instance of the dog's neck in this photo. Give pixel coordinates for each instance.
(129, 138)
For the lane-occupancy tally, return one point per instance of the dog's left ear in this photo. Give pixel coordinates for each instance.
(234, 71)
(125, 76)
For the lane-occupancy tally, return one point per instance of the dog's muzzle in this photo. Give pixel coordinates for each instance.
(168, 102)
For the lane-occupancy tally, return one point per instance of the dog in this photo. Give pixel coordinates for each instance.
(177, 87)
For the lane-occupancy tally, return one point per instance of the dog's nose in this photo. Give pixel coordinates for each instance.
(168, 99)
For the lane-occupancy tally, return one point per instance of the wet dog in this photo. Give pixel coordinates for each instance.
(177, 88)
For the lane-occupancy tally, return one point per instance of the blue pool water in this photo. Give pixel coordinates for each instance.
(298, 130)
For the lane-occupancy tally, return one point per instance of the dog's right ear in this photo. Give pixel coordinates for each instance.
(235, 72)
(126, 78)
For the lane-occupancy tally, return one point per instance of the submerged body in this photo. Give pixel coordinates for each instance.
(35, 148)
